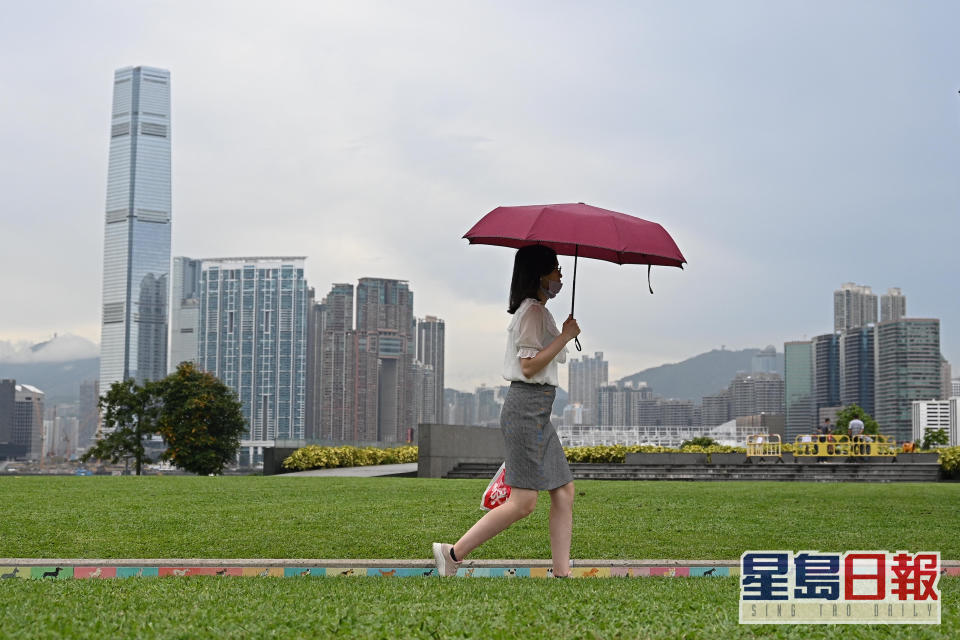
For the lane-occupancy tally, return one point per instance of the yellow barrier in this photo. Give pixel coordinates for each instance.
(763, 445)
(841, 446)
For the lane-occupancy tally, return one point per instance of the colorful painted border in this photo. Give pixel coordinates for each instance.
(106, 572)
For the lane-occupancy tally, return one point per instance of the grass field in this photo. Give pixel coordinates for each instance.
(249, 517)
(206, 607)
(277, 517)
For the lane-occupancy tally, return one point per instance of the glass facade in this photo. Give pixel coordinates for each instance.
(136, 263)
(252, 335)
(908, 369)
(798, 384)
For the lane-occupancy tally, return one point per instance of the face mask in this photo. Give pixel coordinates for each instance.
(553, 288)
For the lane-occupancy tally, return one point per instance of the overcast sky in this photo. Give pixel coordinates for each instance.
(788, 147)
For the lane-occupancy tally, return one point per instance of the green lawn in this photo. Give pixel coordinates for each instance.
(248, 517)
(277, 517)
(408, 608)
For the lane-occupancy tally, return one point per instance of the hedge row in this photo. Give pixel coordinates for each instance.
(315, 457)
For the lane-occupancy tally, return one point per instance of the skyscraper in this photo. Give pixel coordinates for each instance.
(253, 324)
(335, 370)
(184, 311)
(88, 413)
(893, 305)
(826, 371)
(385, 354)
(586, 377)
(858, 364)
(908, 369)
(799, 392)
(136, 259)
(853, 306)
(431, 336)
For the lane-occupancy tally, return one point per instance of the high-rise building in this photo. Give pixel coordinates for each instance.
(858, 365)
(764, 361)
(955, 387)
(853, 306)
(8, 398)
(586, 376)
(716, 408)
(184, 311)
(335, 366)
(461, 407)
(626, 405)
(425, 393)
(253, 324)
(928, 416)
(385, 354)
(893, 305)
(431, 335)
(88, 413)
(908, 369)
(753, 394)
(136, 262)
(27, 424)
(677, 413)
(946, 371)
(826, 371)
(799, 389)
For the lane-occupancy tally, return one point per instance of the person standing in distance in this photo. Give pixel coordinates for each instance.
(534, 456)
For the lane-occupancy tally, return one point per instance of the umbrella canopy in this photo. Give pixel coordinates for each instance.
(579, 230)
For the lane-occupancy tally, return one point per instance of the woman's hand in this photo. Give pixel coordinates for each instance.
(570, 328)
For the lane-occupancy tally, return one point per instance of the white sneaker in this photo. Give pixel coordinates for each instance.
(446, 567)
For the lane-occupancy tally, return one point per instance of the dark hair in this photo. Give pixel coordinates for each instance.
(529, 265)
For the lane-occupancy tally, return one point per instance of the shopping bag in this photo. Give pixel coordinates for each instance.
(497, 491)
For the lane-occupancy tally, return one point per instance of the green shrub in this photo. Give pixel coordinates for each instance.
(950, 460)
(316, 457)
(618, 452)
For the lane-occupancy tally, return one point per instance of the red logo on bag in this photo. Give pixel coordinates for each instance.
(497, 491)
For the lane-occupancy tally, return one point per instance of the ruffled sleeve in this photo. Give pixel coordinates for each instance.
(530, 332)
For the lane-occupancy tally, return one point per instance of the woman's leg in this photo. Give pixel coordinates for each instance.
(561, 527)
(519, 505)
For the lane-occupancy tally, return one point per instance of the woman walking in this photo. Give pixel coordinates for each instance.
(535, 460)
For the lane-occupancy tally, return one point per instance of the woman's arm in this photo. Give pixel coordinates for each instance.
(532, 366)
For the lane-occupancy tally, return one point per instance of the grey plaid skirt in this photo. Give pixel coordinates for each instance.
(535, 458)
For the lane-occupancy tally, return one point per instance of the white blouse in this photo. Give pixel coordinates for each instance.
(531, 329)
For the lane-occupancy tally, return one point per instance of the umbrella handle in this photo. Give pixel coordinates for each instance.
(573, 298)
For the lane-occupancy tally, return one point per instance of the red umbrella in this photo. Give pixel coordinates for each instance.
(580, 230)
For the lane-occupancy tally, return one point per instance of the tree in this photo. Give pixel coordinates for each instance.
(201, 420)
(129, 415)
(935, 439)
(850, 412)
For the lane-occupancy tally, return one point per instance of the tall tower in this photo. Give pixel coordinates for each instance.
(893, 305)
(430, 351)
(853, 306)
(908, 368)
(253, 337)
(586, 377)
(799, 388)
(136, 250)
(184, 311)
(385, 355)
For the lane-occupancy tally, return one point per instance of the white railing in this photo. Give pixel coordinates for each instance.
(664, 436)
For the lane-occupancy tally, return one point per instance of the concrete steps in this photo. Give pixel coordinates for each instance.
(827, 472)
